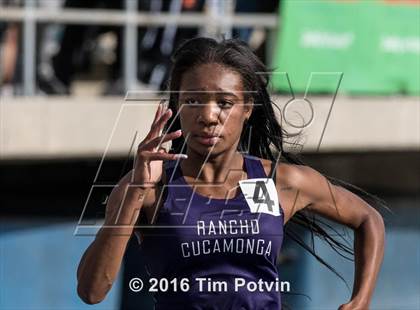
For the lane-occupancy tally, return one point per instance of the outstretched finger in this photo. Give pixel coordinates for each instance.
(160, 123)
(159, 110)
(166, 115)
(162, 139)
(148, 155)
(158, 114)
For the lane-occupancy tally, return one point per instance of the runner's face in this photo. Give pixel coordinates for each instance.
(211, 102)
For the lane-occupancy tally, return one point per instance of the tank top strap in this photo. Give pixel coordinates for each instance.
(255, 169)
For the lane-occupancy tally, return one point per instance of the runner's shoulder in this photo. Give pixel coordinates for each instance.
(287, 174)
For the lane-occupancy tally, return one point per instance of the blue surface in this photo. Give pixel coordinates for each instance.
(398, 285)
(39, 260)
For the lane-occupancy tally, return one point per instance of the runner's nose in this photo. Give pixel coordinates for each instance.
(209, 113)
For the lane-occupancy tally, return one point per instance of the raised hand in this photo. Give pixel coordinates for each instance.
(150, 154)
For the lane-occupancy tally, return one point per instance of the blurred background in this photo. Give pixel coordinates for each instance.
(80, 81)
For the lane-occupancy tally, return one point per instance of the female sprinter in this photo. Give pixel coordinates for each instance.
(219, 199)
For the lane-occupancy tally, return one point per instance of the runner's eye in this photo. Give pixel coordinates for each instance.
(225, 104)
(191, 101)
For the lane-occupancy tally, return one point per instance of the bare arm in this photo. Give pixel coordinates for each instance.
(317, 194)
(101, 261)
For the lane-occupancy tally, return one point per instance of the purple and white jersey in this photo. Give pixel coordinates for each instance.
(222, 247)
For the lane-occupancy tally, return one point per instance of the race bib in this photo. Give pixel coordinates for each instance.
(261, 195)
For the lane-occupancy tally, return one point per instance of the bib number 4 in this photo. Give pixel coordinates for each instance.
(261, 195)
(260, 187)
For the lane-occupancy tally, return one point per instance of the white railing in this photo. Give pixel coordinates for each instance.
(217, 18)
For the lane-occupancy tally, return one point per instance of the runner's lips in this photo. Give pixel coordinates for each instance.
(207, 135)
(207, 139)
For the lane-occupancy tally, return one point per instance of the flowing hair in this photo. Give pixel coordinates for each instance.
(262, 135)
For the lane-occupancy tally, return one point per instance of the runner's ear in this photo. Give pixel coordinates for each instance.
(248, 106)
